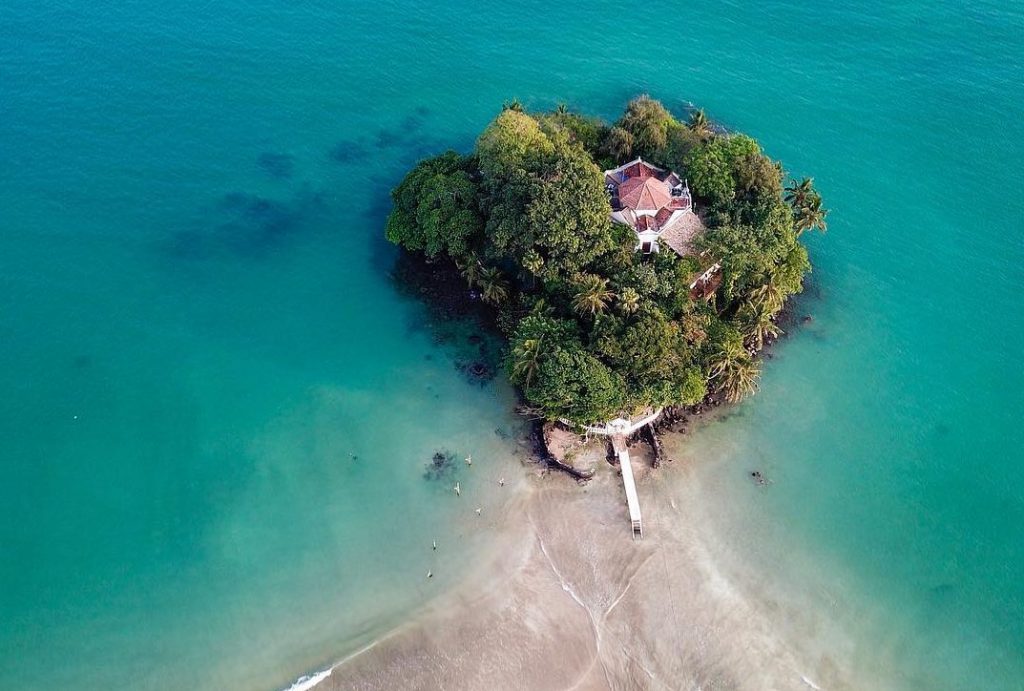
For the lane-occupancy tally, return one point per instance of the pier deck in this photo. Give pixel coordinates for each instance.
(632, 500)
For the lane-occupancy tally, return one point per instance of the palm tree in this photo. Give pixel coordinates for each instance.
(730, 352)
(797, 193)
(810, 216)
(526, 361)
(739, 381)
(541, 308)
(593, 295)
(515, 104)
(471, 270)
(699, 124)
(734, 372)
(769, 295)
(629, 301)
(619, 143)
(561, 109)
(493, 286)
(758, 323)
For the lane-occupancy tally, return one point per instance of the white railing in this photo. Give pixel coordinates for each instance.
(622, 425)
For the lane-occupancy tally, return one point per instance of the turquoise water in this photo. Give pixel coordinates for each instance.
(198, 331)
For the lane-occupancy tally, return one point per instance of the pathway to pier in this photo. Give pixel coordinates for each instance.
(619, 445)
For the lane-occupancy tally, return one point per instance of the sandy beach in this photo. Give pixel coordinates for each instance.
(572, 602)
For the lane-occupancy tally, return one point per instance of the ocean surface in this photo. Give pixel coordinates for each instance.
(218, 410)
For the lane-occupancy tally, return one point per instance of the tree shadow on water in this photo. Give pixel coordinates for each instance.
(247, 225)
(397, 146)
(278, 166)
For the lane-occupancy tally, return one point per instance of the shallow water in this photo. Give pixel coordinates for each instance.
(197, 330)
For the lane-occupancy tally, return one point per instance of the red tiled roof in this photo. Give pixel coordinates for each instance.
(663, 215)
(648, 193)
(639, 170)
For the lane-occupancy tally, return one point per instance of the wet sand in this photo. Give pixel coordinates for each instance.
(572, 602)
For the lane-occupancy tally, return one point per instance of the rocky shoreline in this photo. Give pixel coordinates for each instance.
(439, 285)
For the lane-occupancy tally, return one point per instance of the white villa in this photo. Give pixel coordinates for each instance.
(656, 203)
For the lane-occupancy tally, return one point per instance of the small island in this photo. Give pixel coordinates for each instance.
(633, 268)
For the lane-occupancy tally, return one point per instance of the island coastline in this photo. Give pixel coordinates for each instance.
(656, 311)
(560, 607)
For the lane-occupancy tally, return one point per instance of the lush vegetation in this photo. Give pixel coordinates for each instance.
(595, 328)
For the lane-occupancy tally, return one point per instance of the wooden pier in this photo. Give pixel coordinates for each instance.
(632, 500)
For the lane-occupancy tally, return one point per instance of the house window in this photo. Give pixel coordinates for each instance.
(646, 247)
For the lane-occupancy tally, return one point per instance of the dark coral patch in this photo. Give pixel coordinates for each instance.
(248, 225)
(441, 466)
(277, 165)
(348, 151)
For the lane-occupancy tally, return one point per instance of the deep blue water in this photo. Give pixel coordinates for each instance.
(198, 331)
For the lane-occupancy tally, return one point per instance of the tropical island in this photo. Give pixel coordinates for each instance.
(632, 267)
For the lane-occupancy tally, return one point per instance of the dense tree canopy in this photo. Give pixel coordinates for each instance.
(648, 122)
(547, 211)
(596, 329)
(437, 207)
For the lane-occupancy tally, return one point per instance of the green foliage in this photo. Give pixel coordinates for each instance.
(681, 140)
(743, 259)
(622, 253)
(645, 348)
(547, 210)
(494, 289)
(536, 335)
(694, 323)
(810, 216)
(470, 268)
(808, 212)
(757, 318)
(568, 220)
(691, 387)
(596, 329)
(789, 273)
(437, 208)
(760, 245)
(629, 300)
(592, 295)
(797, 193)
(588, 132)
(653, 357)
(642, 277)
(648, 122)
(699, 124)
(733, 372)
(709, 172)
(757, 175)
(735, 146)
(723, 167)
(510, 146)
(573, 384)
(617, 145)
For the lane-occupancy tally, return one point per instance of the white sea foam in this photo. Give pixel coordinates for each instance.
(809, 683)
(309, 681)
